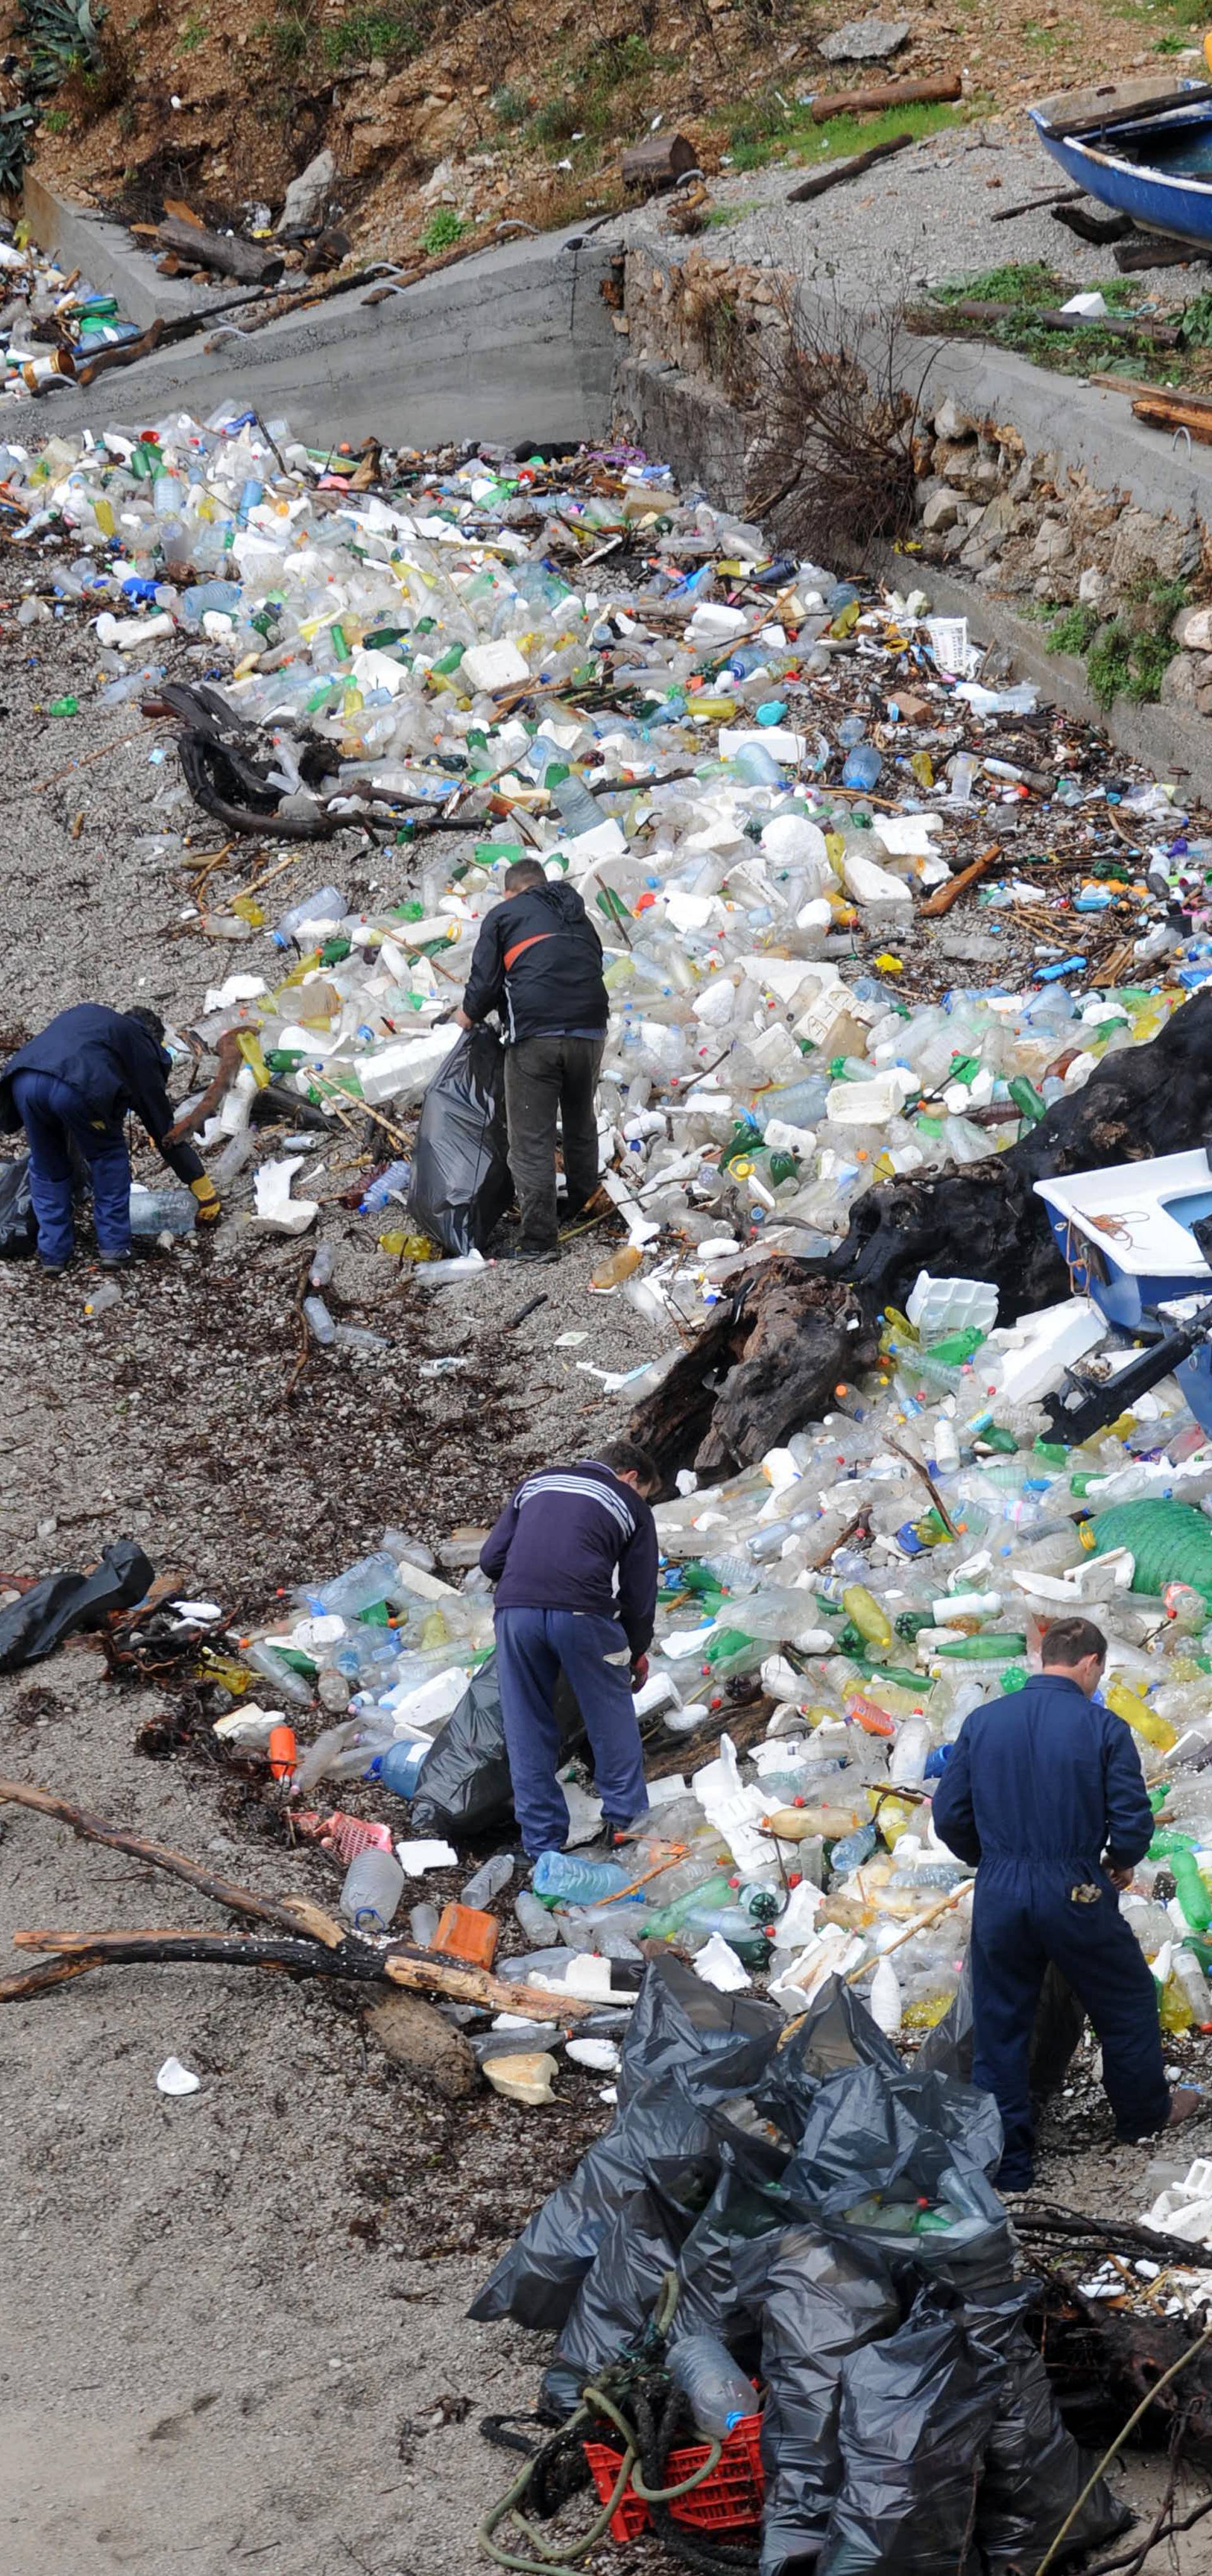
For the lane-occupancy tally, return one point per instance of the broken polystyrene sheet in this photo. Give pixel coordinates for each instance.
(176, 2080)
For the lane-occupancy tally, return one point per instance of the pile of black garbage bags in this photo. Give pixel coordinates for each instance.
(909, 2423)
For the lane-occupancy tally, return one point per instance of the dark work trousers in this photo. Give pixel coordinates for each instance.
(1024, 1914)
(55, 1118)
(546, 1078)
(532, 1647)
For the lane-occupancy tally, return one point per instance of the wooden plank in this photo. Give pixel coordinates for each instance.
(1163, 250)
(1173, 411)
(1163, 104)
(839, 171)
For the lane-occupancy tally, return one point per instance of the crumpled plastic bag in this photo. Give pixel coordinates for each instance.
(18, 1224)
(460, 1185)
(819, 2301)
(33, 1626)
(686, 2051)
(463, 1786)
(618, 2294)
(1034, 2470)
(916, 2415)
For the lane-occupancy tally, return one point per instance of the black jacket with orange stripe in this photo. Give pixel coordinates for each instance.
(538, 961)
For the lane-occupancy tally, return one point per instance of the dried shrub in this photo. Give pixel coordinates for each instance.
(840, 425)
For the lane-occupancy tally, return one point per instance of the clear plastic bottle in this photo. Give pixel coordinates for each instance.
(488, 1880)
(374, 1884)
(717, 2392)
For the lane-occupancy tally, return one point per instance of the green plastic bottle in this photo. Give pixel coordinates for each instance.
(1193, 1894)
(991, 1648)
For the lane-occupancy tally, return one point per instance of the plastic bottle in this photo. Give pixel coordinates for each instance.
(166, 1211)
(1193, 1895)
(619, 1266)
(374, 1884)
(284, 1680)
(399, 1769)
(487, 1881)
(1137, 1714)
(423, 1924)
(561, 1877)
(862, 767)
(866, 1614)
(319, 1322)
(717, 2392)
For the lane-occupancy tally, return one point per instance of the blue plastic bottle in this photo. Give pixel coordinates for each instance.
(562, 1877)
(399, 1768)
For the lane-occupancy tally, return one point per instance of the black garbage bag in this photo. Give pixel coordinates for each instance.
(1034, 2470)
(18, 1224)
(687, 2050)
(1059, 2022)
(461, 1185)
(463, 1786)
(618, 2294)
(836, 2033)
(33, 1626)
(873, 2126)
(916, 2416)
(747, 2206)
(819, 2300)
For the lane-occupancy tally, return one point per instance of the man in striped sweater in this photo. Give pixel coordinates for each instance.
(574, 1560)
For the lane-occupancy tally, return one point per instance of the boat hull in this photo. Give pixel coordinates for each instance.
(1157, 200)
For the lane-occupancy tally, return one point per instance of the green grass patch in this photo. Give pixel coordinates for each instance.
(370, 35)
(1024, 282)
(776, 125)
(1074, 630)
(606, 93)
(442, 231)
(720, 216)
(1123, 660)
(511, 106)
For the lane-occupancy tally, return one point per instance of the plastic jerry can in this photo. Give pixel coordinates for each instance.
(468, 1935)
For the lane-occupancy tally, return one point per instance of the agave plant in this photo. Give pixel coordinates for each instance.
(63, 38)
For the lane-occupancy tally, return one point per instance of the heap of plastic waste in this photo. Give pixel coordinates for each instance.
(862, 1590)
(453, 660)
(452, 665)
(52, 323)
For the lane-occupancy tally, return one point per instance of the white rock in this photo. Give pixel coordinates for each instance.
(305, 197)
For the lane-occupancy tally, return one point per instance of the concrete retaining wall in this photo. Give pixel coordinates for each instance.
(514, 344)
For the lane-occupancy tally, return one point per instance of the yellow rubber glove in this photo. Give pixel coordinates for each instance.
(209, 1204)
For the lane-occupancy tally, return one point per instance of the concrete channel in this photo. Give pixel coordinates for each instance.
(518, 343)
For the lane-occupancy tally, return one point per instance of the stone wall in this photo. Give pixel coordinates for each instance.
(1022, 525)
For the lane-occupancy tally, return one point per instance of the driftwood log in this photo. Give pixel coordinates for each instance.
(839, 171)
(772, 1359)
(227, 253)
(308, 1942)
(937, 90)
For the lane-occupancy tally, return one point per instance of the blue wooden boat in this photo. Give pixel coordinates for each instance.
(1155, 167)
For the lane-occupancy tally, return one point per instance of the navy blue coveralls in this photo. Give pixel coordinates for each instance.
(1038, 1786)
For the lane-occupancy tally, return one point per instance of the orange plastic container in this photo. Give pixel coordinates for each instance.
(729, 2500)
(283, 1752)
(468, 1935)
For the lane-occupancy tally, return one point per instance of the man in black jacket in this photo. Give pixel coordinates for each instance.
(73, 1086)
(538, 962)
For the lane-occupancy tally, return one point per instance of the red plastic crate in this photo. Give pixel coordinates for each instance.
(729, 2500)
